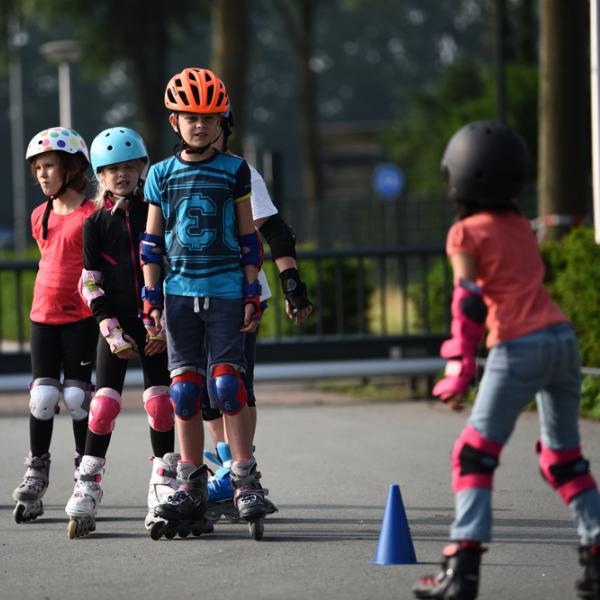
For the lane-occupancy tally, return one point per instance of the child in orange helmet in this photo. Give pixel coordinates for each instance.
(200, 217)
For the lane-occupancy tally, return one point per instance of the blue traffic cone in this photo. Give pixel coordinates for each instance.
(395, 545)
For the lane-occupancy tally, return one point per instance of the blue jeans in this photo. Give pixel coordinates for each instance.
(204, 332)
(545, 365)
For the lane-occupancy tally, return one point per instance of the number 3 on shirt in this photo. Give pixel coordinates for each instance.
(197, 211)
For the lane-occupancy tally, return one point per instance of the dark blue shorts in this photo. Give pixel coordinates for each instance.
(204, 331)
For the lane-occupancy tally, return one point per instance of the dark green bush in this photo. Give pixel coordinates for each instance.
(573, 280)
(331, 273)
(437, 307)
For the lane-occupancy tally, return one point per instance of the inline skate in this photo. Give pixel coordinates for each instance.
(459, 577)
(163, 483)
(249, 496)
(589, 585)
(220, 490)
(184, 512)
(83, 504)
(28, 494)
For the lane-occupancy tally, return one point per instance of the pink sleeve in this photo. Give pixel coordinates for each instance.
(35, 226)
(459, 240)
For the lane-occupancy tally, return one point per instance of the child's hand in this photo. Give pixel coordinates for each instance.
(456, 403)
(127, 353)
(297, 315)
(154, 345)
(250, 325)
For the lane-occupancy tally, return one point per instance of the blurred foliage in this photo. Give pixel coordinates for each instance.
(464, 93)
(336, 277)
(437, 308)
(573, 279)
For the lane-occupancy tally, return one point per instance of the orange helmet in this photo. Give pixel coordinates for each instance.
(196, 91)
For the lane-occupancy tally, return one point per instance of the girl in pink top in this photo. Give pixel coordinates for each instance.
(63, 330)
(498, 277)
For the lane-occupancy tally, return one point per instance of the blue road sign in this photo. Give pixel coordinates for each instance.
(388, 181)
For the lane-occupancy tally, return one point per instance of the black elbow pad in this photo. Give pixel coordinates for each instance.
(280, 237)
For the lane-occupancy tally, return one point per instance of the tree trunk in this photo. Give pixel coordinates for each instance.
(147, 63)
(563, 168)
(230, 57)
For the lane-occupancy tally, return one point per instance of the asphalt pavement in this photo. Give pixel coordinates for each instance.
(328, 462)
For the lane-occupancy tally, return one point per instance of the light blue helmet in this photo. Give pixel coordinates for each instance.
(115, 145)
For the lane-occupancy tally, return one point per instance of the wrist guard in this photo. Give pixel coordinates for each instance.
(252, 292)
(468, 323)
(294, 289)
(153, 300)
(113, 333)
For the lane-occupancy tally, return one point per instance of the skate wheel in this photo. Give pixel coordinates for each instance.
(156, 530)
(72, 529)
(196, 532)
(19, 512)
(170, 534)
(183, 533)
(256, 529)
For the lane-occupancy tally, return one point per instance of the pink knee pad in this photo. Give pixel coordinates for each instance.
(474, 460)
(157, 402)
(565, 470)
(104, 409)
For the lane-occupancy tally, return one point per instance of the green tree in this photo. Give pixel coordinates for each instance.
(138, 32)
(465, 92)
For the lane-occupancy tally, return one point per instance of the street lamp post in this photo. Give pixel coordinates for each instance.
(63, 53)
(16, 40)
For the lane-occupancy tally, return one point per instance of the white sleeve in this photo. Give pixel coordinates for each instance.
(262, 205)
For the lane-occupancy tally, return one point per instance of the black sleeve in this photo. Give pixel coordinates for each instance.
(280, 237)
(92, 261)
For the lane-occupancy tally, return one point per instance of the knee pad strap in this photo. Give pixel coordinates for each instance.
(228, 389)
(567, 471)
(104, 409)
(474, 460)
(157, 402)
(186, 392)
(44, 397)
(77, 396)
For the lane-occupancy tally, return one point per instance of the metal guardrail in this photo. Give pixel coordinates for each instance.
(369, 304)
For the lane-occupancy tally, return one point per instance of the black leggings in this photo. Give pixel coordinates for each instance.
(110, 373)
(54, 348)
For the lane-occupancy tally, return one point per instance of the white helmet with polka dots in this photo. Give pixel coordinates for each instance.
(58, 139)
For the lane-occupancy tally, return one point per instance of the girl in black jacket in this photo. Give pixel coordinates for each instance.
(110, 283)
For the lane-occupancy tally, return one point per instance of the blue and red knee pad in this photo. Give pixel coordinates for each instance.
(227, 389)
(186, 394)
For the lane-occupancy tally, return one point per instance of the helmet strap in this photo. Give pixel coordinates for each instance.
(196, 149)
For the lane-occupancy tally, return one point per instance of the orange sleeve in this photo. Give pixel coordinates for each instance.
(459, 240)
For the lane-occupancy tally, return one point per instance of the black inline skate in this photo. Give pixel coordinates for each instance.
(459, 577)
(249, 496)
(184, 512)
(589, 585)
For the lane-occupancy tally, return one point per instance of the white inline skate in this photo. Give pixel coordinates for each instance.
(163, 483)
(28, 494)
(83, 504)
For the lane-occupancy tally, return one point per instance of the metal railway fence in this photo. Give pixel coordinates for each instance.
(370, 304)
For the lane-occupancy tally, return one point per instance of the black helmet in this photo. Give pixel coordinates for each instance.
(485, 162)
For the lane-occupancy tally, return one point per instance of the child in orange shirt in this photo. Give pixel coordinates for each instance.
(498, 277)
(63, 330)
